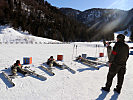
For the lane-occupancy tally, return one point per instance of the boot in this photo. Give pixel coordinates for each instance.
(117, 90)
(105, 89)
(26, 74)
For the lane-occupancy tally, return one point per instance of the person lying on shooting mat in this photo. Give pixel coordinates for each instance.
(17, 67)
(81, 59)
(51, 62)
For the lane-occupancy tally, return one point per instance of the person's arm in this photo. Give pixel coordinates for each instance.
(113, 53)
(128, 52)
(21, 66)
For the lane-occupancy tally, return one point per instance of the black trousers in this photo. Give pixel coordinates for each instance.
(20, 70)
(120, 70)
(54, 64)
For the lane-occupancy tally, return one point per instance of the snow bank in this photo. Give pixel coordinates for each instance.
(8, 34)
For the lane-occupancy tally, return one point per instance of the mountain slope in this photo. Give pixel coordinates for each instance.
(39, 18)
(92, 16)
(103, 21)
(9, 35)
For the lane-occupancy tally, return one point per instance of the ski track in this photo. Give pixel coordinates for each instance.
(84, 85)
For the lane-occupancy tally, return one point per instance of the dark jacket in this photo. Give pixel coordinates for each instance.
(50, 60)
(120, 53)
(15, 66)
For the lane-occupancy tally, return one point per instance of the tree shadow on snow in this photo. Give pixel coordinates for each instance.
(5, 80)
(102, 95)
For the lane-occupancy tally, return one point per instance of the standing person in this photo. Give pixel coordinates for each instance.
(117, 64)
(17, 67)
(109, 49)
(104, 42)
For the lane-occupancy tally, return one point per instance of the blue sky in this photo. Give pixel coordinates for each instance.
(88, 4)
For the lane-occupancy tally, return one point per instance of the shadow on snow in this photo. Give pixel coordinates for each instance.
(5, 80)
(45, 70)
(84, 69)
(103, 95)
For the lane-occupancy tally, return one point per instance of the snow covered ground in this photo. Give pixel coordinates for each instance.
(9, 35)
(84, 85)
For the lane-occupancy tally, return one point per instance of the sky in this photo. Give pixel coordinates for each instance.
(88, 4)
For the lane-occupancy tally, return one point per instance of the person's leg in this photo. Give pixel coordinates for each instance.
(111, 74)
(110, 77)
(120, 79)
(20, 70)
(56, 64)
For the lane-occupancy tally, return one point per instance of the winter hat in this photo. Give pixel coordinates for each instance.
(51, 57)
(18, 61)
(121, 37)
(79, 55)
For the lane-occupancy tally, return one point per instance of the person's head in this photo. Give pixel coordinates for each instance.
(120, 37)
(18, 62)
(79, 55)
(51, 56)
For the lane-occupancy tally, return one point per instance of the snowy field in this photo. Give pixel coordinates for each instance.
(84, 85)
(9, 35)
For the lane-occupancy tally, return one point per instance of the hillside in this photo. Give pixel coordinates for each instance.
(9, 35)
(41, 19)
(102, 21)
(99, 15)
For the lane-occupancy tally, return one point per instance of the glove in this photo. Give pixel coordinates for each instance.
(110, 65)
